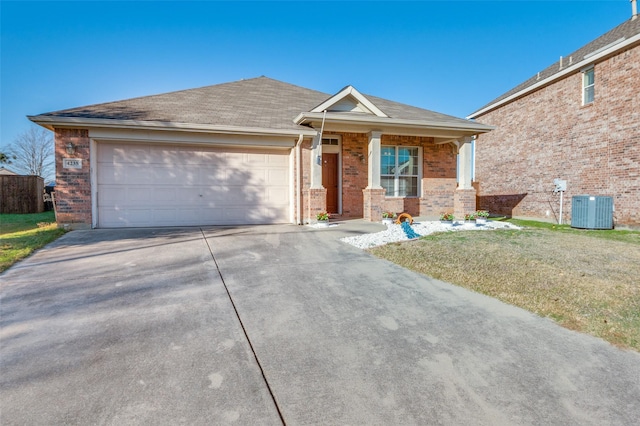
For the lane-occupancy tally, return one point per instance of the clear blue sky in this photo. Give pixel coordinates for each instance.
(448, 56)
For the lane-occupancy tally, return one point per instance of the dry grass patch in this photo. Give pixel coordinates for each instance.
(587, 281)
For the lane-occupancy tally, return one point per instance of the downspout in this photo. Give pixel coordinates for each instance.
(316, 158)
(319, 159)
(324, 115)
(298, 181)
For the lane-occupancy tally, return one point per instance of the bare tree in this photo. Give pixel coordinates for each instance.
(32, 152)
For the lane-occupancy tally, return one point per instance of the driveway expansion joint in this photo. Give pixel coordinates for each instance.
(244, 330)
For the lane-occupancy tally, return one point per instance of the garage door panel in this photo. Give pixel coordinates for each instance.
(258, 176)
(277, 196)
(211, 158)
(188, 195)
(147, 185)
(139, 216)
(278, 177)
(139, 195)
(162, 216)
(138, 155)
(240, 197)
(109, 174)
(237, 177)
(256, 159)
(164, 195)
(166, 174)
(112, 218)
(210, 173)
(111, 195)
(134, 174)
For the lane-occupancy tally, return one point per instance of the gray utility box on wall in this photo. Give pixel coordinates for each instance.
(592, 212)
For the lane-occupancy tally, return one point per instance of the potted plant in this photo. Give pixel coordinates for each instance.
(323, 219)
(469, 217)
(387, 217)
(481, 217)
(447, 217)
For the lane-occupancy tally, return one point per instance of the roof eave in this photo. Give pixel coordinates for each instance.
(52, 122)
(344, 118)
(559, 75)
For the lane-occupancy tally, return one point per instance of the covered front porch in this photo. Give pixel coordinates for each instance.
(362, 175)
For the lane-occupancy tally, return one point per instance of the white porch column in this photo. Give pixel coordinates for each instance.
(464, 163)
(316, 163)
(373, 181)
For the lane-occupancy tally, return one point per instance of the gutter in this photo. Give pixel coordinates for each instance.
(590, 59)
(52, 121)
(305, 117)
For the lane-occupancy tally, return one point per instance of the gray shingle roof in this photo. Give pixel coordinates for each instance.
(257, 103)
(625, 31)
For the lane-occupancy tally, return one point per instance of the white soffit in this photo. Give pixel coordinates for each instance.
(349, 99)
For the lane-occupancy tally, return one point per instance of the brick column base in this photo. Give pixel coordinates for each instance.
(317, 203)
(464, 201)
(373, 204)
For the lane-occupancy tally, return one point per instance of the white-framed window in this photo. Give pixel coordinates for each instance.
(399, 170)
(588, 86)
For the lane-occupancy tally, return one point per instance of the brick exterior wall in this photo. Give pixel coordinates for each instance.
(316, 202)
(549, 134)
(464, 201)
(437, 196)
(73, 186)
(354, 173)
(439, 163)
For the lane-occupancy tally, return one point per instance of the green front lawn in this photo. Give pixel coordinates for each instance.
(22, 234)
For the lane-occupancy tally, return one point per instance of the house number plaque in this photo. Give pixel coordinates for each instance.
(72, 163)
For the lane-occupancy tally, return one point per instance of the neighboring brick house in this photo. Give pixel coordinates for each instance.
(256, 151)
(579, 121)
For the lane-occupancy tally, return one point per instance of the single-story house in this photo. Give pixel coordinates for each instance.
(578, 121)
(6, 172)
(257, 151)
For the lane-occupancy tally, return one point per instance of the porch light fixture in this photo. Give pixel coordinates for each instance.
(70, 148)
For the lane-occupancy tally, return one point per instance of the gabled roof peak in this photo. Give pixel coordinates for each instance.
(349, 100)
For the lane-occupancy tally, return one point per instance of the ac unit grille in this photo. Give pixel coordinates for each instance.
(592, 212)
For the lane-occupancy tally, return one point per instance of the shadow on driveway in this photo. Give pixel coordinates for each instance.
(136, 326)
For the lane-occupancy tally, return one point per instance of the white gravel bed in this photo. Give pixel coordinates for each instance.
(395, 233)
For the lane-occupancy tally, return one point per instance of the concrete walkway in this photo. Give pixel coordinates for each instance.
(138, 327)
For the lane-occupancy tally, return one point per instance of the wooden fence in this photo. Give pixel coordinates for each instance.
(21, 194)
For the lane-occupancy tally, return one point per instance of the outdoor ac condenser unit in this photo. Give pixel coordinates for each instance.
(592, 212)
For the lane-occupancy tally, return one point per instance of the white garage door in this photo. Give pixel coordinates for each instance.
(155, 185)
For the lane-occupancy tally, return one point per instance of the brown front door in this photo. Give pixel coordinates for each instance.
(330, 180)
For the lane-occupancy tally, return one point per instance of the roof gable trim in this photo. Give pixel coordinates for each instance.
(349, 100)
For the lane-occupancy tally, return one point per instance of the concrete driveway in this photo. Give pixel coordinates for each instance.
(282, 324)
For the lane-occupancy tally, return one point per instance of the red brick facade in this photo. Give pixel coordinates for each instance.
(438, 180)
(73, 186)
(549, 134)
